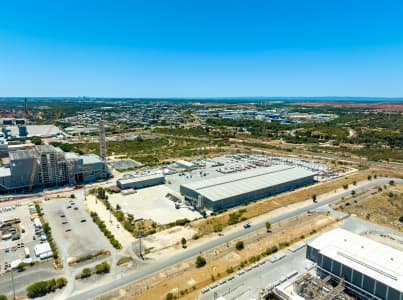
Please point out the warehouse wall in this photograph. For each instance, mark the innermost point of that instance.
(356, 279)
(251, 196)
(140, 184)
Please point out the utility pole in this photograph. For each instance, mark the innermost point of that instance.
(12, 280)
(140, 250)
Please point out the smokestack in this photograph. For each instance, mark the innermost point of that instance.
(102, 142)
(26, 106)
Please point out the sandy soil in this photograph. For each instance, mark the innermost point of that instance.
(185, 277)
(381, 207)
(124, 237)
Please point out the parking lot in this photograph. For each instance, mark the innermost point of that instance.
(14, 250)
(151, 203)
(72, 228)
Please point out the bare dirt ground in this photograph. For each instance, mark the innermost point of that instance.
(124, 237)
(386, 106)
(186, 280)
(381, 207)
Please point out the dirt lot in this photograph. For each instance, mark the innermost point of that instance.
(219, 260)
(123, 236)
(382, 207)
(151, 203)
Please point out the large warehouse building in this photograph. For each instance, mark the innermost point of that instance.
(140, 182)
(370, 269)
(234, 189)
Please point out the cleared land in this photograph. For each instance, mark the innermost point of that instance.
(219, 260)
(381, 207)
(152, 203)
(153, 150)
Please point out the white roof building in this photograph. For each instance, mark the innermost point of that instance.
(41, 249)
(370, 258)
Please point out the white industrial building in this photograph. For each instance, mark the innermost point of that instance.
(370, 270)
(185, 164)
(141, 182)
(43, 250)
(245, 186)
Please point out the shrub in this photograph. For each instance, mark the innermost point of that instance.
(217, 227)
(239, 245)
(21, 267)
(86, 272)
(182, 222)
(183, 242)
(271, 250)
(200, 262)
(401, 219)
(3, 297)
(41, 288)
(268, 226)
(169, 296)
(101, 225)
(102, 268)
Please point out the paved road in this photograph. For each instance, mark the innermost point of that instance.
(247, 286)
(138, 274)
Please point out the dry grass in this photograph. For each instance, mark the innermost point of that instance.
(384, 207)
(186, 280)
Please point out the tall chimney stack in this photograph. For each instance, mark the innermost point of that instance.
(102, 141)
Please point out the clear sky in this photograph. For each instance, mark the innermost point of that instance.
(201, 48)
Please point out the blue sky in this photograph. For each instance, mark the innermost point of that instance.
(206, 48)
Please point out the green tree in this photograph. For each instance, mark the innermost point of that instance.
(183, 242)
(86, 273)
(3, 297)
(268, 226)
(239, 245)
(169, 296)
(353, 193)
(36, 140)
(21, 267)
(314, 198)
(200, 261)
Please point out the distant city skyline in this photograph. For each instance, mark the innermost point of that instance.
(200, 49)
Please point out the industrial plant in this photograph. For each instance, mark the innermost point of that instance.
(46, 166)
(370, 270)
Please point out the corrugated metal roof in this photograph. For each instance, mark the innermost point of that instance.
(371, 258)
(243, 182)
(90, 159)
(140, 179)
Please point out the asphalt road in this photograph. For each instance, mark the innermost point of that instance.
(138, 274)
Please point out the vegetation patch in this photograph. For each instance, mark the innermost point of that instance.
(42, 288)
